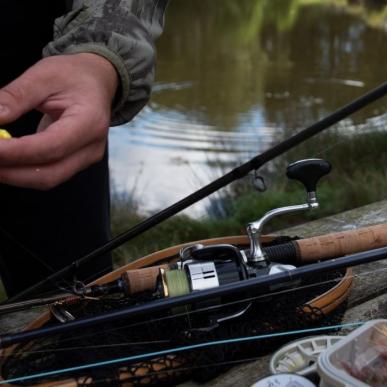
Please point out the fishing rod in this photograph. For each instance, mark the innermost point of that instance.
(295, 252)
(235, 174)
(259, 284)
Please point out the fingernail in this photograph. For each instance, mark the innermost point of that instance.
(4, 110)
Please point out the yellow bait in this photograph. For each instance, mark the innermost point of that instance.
(4, 134)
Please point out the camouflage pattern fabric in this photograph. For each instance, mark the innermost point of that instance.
(122, 31)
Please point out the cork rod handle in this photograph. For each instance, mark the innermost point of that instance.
(342, 243)
(140, 280)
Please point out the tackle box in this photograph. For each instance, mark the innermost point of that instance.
(358, 360)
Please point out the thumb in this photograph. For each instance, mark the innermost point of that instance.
(20, 96)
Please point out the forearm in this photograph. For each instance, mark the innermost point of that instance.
(122, 31)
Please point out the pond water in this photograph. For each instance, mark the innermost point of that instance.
(236, 76)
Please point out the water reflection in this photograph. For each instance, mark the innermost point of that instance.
(234, 77)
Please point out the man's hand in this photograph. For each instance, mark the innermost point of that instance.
(75, 93)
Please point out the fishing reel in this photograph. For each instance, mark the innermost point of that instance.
(203, 267)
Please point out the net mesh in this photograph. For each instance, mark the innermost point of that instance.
(285, 311)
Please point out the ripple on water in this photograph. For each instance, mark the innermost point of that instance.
(166, 157)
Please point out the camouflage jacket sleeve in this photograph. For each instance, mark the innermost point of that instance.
(122, 31)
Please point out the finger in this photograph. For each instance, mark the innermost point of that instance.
(62, 138)
(22, 95)
(45, 177)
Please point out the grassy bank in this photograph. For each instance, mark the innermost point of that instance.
(358, 177)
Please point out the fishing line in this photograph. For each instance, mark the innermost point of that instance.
(100, 346)
(232, 303)
(29, 252)
(211, 308)
(69, 289)
(180, 349)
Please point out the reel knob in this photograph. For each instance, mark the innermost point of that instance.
(308, 172)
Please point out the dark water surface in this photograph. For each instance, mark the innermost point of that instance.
(234, 77)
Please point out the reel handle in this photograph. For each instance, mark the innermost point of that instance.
(308, 172)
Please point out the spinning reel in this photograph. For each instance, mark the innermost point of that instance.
(203, 267)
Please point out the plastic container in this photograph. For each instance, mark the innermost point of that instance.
(359, 359)
(284, 380)
(300, 356)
